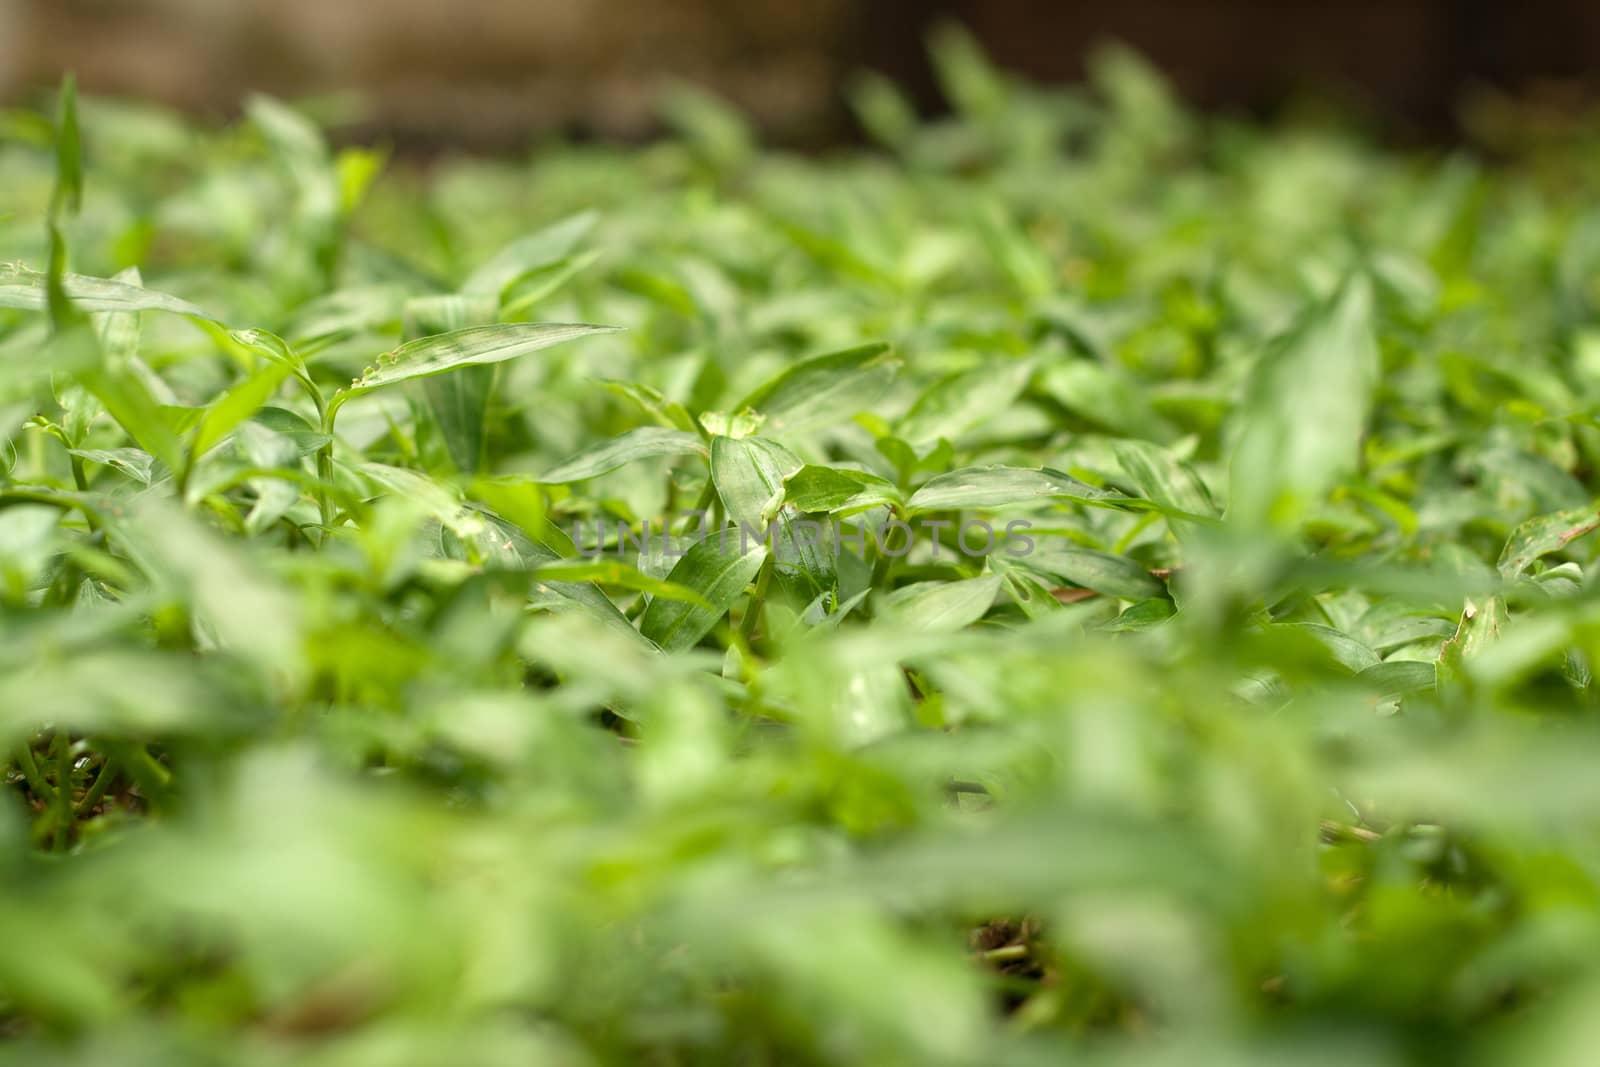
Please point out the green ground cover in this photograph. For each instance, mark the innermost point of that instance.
(1167, 634)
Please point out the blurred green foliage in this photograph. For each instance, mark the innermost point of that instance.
(328, 745)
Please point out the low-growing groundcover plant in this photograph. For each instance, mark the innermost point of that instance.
(381, 684)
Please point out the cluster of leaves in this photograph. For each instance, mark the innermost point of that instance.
(357, 710)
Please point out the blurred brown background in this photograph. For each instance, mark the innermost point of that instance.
(488, 72)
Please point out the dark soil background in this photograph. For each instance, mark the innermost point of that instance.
(491, 73)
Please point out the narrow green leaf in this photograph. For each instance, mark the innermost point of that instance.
(252, 616)
(990, 487)
(474, 346)
(719, 574)
(306, 437)
(27, 290)
(957, 403)
(460, 401)
(652, 402)
(584, 594)
(749, 473)
(1163, 478)
(1544, 534)
(1482, 621)
(67, 197)
(241, 401)
(536, 251)
(1394, 678)
(134, 462)
(824, 389)
(1105, 398)
(838, 490)
(836, 255)
(1306, 412)
(617, 573)
(942, 607)
(1103, 572)
(642, 443)
(129, 402)
(1350, 653)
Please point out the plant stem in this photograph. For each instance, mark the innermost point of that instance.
(325, 464)
(758, 601)
(63, 797)
(885, 562)
(81, 480)
(31, 773)
(97, 789)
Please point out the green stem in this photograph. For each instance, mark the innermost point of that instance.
(63, 797)
(64, 501)
(97, 789)
(31, 773)
(81, 479)
(325, 463)
(884, 564)
(758, 601)
(147, 773)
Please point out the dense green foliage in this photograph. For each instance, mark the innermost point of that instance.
(1266, 737)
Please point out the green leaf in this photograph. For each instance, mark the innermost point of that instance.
(716, 129)
(1398, 677)
(251, 615)
(474, 346)
(824, 389)
(129, 402)
(113, 691)
(1103, 572)
(883, 110)
(617, 573)
(749, 474)
(1165, 479)
(26, 289)
(1346, 650)
(300, 148)
(837, 256)
(240, 402)
(119, 331)
(958, 403)
(992, 487)
(942, 607)
(1302, 423)
(1105, 398)
(134, 462)
(584, 594)
(643, 443)
(1482, 622)
(719, 574)
(838, 490)
(1545, 534)
(67, 197)
(306, 437)
(965, 74)
(652, 402)
(460, 401)
(534, 252)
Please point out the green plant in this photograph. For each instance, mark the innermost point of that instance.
(428, 708)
